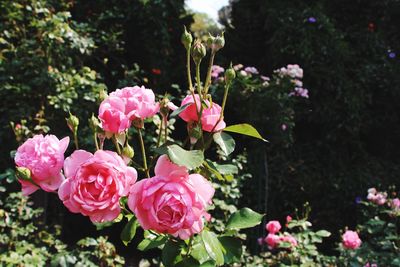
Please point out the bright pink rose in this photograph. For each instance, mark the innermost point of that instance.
(289, 219)
(273, 227)
(289, 239)
(272, 240)
(172, 201)
(95, 184)
(140, 103)
(44, 157)
(351, 240)
(112, 115)
(209, 117)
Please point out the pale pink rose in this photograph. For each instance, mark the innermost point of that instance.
(216, 71)
(289, 219)
(351, 240)
(112, 115)
(171, 202)
(395, 203)
(140, 102)
(95, 183)
(289, 239)
(44, 157)
(209, 117)
(273, 227)
(283, 127)
(272, 240)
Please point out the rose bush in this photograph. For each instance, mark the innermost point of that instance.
(172, 205)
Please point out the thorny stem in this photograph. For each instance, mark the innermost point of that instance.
(160, 132)
(76, 140)
(166, 129)
(198, 81)
(208, 78)
(188, 69)
(96, 141)
(143, 153)
(115, 141)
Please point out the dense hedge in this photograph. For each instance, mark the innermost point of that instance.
(348, 139)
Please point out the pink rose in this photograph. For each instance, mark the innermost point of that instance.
(395, 203)
(121, 107)
(272, 240)
(140, 103)
(273, 227)
(172, 201)
(289, 239)
(209, 117)
(351, 240)
(44, 157)
(95, 184)
(112, 115)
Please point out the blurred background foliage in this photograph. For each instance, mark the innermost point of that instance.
(59, 56)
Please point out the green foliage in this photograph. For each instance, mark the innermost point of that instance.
(24, 241)
(244, 218)
(379, 232)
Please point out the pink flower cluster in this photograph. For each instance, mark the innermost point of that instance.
(121, 107)
(274, 238)
(295, 73)
(376, 197)
(171, 202)
(351, 240)
(216, 71)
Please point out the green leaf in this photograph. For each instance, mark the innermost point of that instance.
(147, 244)
(213, 246)
(190, 159)
(178, 111)
(188, 262)
(211, 167)
(323, 233)
(225, 142)
(232, 249)
(227, 168)
(244, 218)
(209, 264)
(129, 230)
(170, 253)
(245, 129)
(199, 252)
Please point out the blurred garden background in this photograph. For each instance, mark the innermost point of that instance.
(325, 149)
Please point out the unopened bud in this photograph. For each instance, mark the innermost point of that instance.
(198, 52)
(128, 151)
(138, 123)
(210, 41)
(72, 122)
(103, 94)
(215, 43)
(23, 173)
(186, 39)
(164, 108)
(219, 42)
(94, 123)
(230, 74)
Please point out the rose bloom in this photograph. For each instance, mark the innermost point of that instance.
(113, 116)
(272, 240)
(273, 227)
(44, 157)
(351, 240)
(121, 107)
(95, 183)
(172, 202)
(209, 117)
(289, 239)
(140, 102)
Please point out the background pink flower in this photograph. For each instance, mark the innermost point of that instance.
(272, 240)
(172, 201)
(351, 240)
(210, 115)
(273, 227)
(95, 184)
(44, 157)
